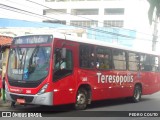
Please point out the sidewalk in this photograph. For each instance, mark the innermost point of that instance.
(4, 104)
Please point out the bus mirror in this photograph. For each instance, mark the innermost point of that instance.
(63, 54)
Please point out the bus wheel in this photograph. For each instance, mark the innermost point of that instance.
(137, 94)
(81, 99)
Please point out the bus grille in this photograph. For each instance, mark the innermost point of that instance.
(26, 85)
(28, 99)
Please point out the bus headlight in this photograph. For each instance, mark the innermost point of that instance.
(43, 89)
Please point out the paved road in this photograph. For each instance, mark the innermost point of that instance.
(148, 103)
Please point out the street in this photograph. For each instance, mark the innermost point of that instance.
(148, 103)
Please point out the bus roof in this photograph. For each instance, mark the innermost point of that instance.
(100, 43)
(94, 42)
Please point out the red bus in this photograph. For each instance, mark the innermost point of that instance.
(61, 69)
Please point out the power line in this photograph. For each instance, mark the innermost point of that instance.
(3, 6)
(20, 4)
(24, 12)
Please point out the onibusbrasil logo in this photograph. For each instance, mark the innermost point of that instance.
(20, 114)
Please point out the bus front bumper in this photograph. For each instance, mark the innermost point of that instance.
(42, 99)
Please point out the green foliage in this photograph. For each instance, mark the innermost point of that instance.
(153, 4)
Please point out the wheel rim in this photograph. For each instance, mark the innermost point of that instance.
(81, 99)
(137, 94)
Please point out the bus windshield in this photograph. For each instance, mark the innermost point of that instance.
(29, 64)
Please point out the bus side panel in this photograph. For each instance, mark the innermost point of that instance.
(145, 89)
(64, 91)
(153, 83)
(99, 91)
(150, 82)
(111, 86)
(124, 87)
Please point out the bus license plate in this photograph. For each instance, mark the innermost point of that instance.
(20, 100)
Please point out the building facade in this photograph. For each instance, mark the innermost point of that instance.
(86, 13)
(128, 18)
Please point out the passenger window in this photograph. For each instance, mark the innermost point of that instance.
(154, 63)
(158, 68)
(119, 59)
(133, 61)
(145, 62)
(87, 56)
(103, 58)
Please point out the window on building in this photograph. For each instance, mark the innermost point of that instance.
(84, 11)
(62, 0)
(113, 23)
(114, 11)
(87, 56)
(103, 58)
(84, 23)
(50, 0)
(78, 0)
(93, 0)
(119, 59)
(54, 11)
(54, 21)
(133, 61)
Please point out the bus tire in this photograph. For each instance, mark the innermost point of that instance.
(81, 99)
(137, 94)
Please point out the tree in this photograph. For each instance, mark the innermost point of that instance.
(153, 4)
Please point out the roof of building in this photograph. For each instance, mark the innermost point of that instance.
(5, 40)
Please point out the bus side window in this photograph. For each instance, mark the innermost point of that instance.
(87, 57)
(158, 69)
(103, 58)
(145, 62)
(133, 61)
(156, 64)
(153, 63)
(119, 59)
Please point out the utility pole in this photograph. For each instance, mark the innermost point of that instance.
(155, 34)
(154, 4)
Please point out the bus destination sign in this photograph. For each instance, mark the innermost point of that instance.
(33, 39)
